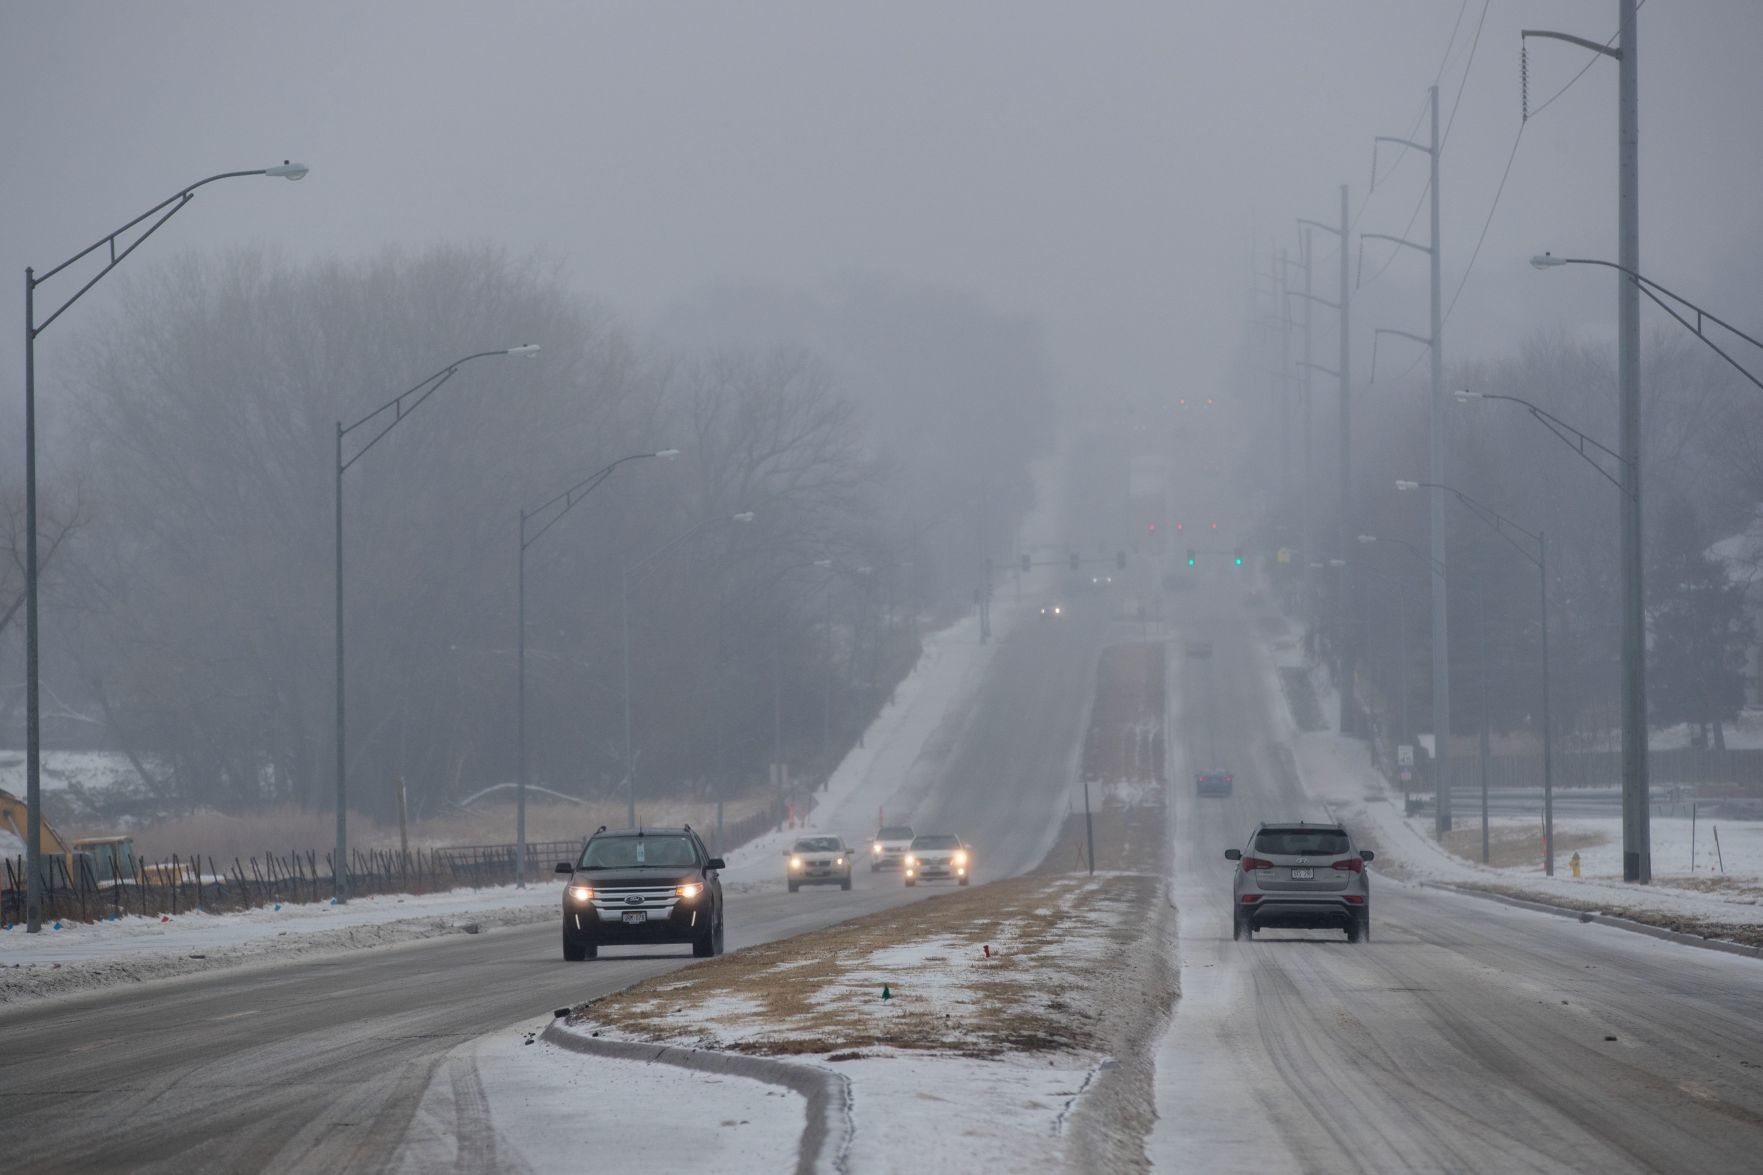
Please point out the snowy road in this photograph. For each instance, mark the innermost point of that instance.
(322, 1065)
(1467, 1036)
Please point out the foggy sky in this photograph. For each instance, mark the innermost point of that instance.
(1111, 169)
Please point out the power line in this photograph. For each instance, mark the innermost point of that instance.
(1583, 70)
(1467, 66)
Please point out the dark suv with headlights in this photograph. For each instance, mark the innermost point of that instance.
(639, 887)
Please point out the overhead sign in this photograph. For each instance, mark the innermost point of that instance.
(1405, 755)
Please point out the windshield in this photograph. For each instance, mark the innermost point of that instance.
(937, 842)
(633, 852)
(818, 844)
(1306, 842)
(894, 832)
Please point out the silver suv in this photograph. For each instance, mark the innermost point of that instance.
(1301, 876)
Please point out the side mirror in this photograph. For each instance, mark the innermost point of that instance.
(1233, 854)
(1367, 855)
(564, 867)
(715, 863)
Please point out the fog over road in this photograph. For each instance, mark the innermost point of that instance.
(321, 1065)
(1467, 1036)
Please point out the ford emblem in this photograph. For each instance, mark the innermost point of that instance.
(633, 900)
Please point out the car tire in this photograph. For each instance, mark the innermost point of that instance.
(718, 945)
(704, 946)
(963, 881)
(874, 868)
(573, 950)
(845, 884)
(794, 886)
(1240, 929)
(910, 883)
(1360, 930)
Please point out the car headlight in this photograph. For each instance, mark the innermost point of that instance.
(840, 861)
(795, 862)
(875, 849)
(582, 893)
(961, 858)
(689, 890)
(911, 861)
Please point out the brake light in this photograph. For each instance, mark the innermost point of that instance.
(1351, 865)
(1251, 897)
(1354, 899)
(1250, 864)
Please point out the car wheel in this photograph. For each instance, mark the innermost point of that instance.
(719, 936)
(874, 868)
(574, 951)
(794, 886)
(845, 884)
(1361, 931)
(1240, 929)
(964, 881)
(704, 946)
(910, 883)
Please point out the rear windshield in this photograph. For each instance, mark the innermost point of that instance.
(629, 852)
(1307, 842)
(937, 842)
(818, 844)
(894, 832)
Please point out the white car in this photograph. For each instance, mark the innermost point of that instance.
(889, 847)
(937, 856)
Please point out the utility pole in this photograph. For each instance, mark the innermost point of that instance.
(1637, 855)
(1285, 382)
(1441, 644)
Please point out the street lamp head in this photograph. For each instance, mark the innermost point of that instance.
(1368, 538)
(743, 516)
(1407, 485)
(667, 454)
(287, 169)
(823, 562)
(1464, 395)
(1546, 261)
(524, 351)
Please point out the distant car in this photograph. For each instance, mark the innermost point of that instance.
(1052, 611)
(642, 886)
(934, 856)
(889, 847)
(818, 860)
(1302, 876)
(1101, 580)
(1199, 649)
(1214, 783)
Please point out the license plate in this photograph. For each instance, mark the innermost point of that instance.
(1297, 875)
(632, 917)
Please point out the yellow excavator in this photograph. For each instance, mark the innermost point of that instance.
(112, 860)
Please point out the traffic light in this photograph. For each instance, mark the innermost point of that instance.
(1150, 528)
(1074, 560)
(1239, 556)
(1025, 564)
(1190, 556)
(1178, 527)
(1120, 560)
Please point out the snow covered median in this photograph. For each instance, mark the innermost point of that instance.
(82, 956)
(977, 1018)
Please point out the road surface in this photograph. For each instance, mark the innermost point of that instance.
(321, 1065)
(1467, 1036)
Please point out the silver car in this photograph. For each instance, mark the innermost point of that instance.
(890, 847)
(818, 860)
(1301, 876)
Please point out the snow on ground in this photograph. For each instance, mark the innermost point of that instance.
(62, 769)
(551, 1109)
(85, 955)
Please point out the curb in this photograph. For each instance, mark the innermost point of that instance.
(1675, 936)
(826, 1139)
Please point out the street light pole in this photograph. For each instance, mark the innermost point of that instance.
(1501, 526)
(164, 211)
(556, 507)
(399, 407)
